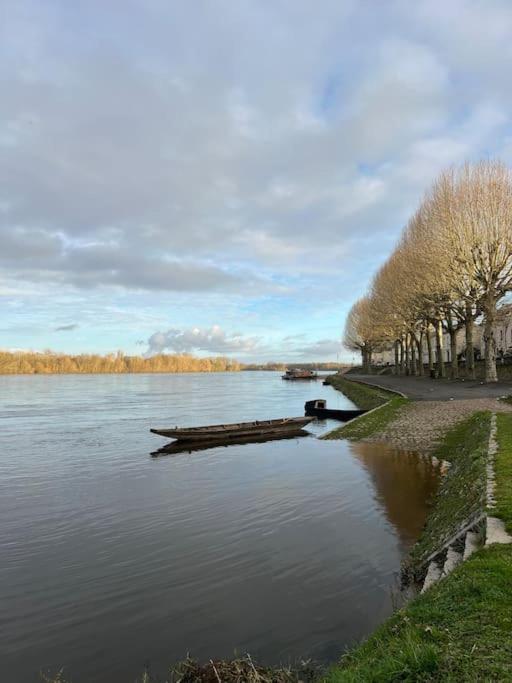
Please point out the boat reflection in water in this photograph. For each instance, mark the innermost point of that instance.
(191, 446)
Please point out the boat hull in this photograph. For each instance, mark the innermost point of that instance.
(331, 414)
(296, 379)
(320, 410)
(233, 431)
(176, 447)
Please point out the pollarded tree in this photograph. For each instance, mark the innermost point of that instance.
(430, 278)
(394, 310)
(473, 209)
(359, 333)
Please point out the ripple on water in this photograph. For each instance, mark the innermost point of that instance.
(111, 558)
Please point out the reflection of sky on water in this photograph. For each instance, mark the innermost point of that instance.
(110, 557)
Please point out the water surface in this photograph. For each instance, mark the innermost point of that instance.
(111, 559)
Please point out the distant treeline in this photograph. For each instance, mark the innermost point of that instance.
(27, 363)
(289, 366)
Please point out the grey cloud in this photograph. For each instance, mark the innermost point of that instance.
(43, 256)
(211, 340)
(159, 159)
(322, 347)
(67, 328)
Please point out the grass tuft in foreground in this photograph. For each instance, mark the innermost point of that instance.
(237, 670)
(503, 470)
(241, 670)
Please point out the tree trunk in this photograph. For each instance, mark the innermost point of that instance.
(430, 352)
(439, 349)
(419, 344)
(453, 353)
(402, 357)
(489, 340)
(470, 348)
(363, 360)
(413, 356)
(407, 357)
(397, 357)
(369, 360)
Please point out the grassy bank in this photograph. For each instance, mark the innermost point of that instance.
(503, 471)
(366, 398)
(461, 629)
(461, 495)
(458, 631)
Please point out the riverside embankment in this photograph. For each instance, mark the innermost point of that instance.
(459, 629)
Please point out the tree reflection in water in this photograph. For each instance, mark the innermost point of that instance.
(405, 483)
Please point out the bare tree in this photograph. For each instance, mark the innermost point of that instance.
(452, 263)
(359, 333)
(473, 209)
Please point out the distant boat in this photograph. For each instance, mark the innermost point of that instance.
(232, 431)
(298, 373)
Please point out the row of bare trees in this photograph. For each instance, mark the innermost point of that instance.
(451, 266)
(28, 363)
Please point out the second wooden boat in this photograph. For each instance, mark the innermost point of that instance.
(238, 429)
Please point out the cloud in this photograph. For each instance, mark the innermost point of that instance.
(212, 340)
(320, 348)
(52, 257)
(159, 168)
(185, 162)
(67, 328)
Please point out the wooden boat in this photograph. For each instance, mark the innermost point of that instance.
(236, 430)
(320, 410)
(176, 447)
(298, 373)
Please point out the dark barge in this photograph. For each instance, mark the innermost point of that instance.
(298, 373)
(319, 409)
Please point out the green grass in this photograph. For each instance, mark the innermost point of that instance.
(364, 396)
(503, 470)
(367, 425)
(460, 630)
(461, 495)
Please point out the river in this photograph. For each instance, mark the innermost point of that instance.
(111, 559)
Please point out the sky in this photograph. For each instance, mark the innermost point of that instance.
(225, 177)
